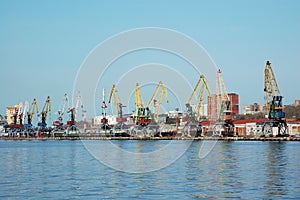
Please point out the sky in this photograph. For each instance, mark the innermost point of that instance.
(44, 43)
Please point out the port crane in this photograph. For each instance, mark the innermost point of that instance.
(44, 114)
(224, 118)
(73, 112)
(117, 103)
(140, 111)
(119, 128)
(157, 104)
(30, 114)
(61, 111)
(25, 110)
(104, 120)
(190, 113)
(276, 124)
(144, 116)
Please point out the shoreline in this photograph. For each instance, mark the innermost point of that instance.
(155, 138)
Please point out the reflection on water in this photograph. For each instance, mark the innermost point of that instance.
(275, 168)
(65, 169)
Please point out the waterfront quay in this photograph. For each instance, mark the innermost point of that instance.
(278, 139)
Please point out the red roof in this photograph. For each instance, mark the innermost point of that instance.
(241, 121)
(245, 121)
(293, 120)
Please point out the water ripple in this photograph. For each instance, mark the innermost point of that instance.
(235, 170)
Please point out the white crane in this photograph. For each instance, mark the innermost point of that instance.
(61, 111)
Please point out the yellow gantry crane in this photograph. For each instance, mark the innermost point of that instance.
(144, 116)
(271, 89)
(30, 113)
(44, 113)
(162, 92)
(117, 102)
(276, 124)
(140, 115)
(204, 86)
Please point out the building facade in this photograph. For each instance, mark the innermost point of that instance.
(212, 110)
(234, 103)
(11, 111)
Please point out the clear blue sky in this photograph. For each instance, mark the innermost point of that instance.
(43, 43)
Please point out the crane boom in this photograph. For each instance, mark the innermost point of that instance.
(154, 94)
(112, 90)
(138, 96)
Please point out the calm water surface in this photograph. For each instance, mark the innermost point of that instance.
(65, 169)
